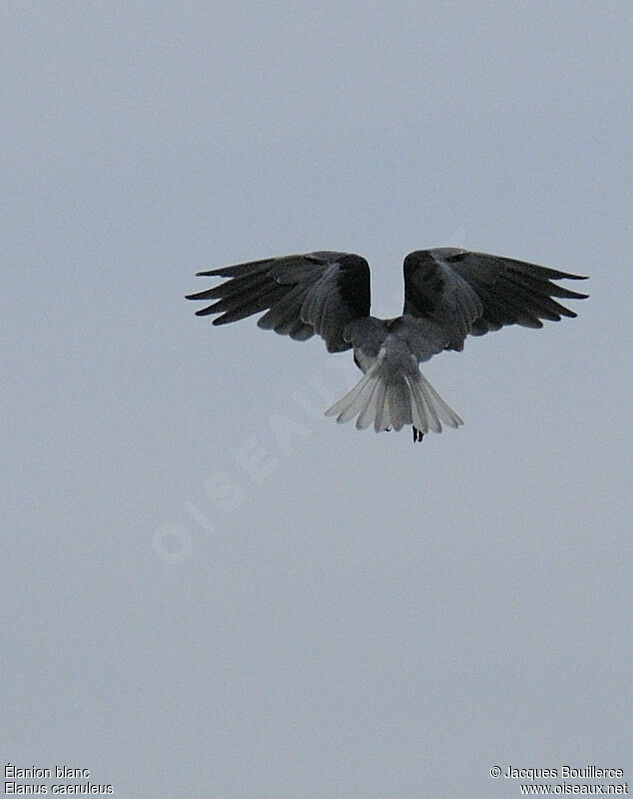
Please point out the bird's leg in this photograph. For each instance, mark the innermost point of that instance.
(417, 434)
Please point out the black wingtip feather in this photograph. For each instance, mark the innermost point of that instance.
(199, 295)
(210, 273)
(239, 270)
(566, 276)
(574, 295)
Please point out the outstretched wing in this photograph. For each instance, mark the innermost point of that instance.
(472, 292)
(320, 292)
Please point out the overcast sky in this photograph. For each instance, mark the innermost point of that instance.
(208, 588)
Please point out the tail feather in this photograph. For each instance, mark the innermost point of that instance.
(399, 399)
(368, 413)
(381, 422)
(442, 409)
(362, 399)
(393, 402)
(423, 418)
(427, 416)
(352, 403)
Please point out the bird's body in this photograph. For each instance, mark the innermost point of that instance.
(449, 294)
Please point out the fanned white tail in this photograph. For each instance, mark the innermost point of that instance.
(394, 401)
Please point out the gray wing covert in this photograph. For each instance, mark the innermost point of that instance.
(471, 292)
(319, 292)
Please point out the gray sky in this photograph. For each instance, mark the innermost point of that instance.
(211, 590)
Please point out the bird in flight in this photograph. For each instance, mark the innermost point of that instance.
(449, 293)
